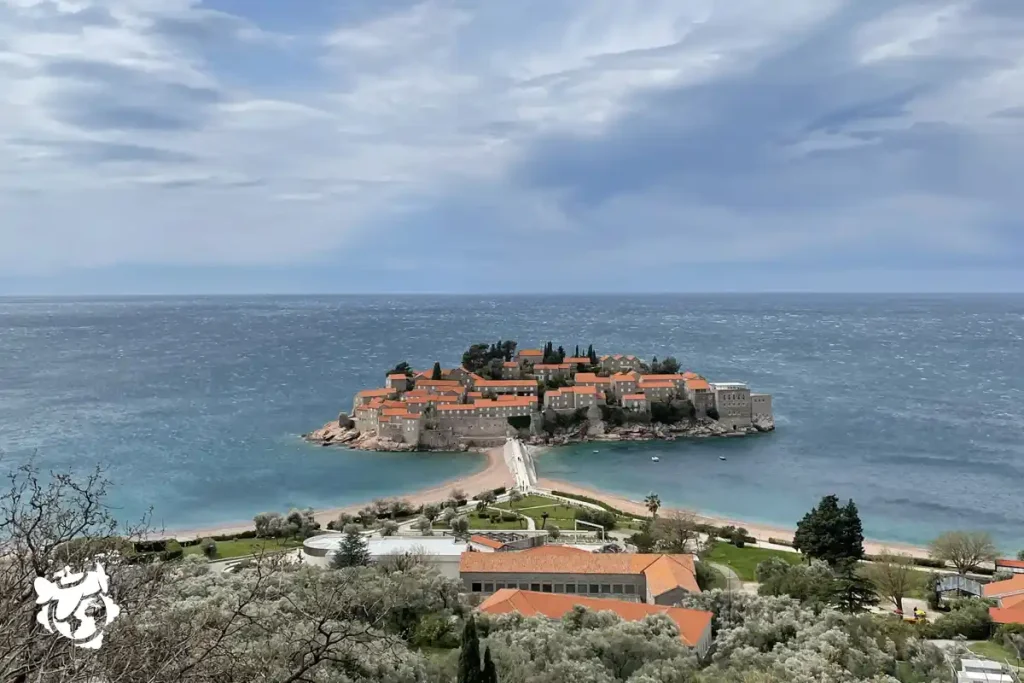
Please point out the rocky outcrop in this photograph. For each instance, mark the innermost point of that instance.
(700, 428)
(335, 434)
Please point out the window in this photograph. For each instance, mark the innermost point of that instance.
(606, 588)
(617, 588)
(570, 588)
(488, 588)
(594, 588)
(583, 589)
(524, 586)
(559, 588)
(630, 589)
(546, 588)
(535, 587)
(476, 587)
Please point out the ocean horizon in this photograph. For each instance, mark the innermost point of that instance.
(912, 405)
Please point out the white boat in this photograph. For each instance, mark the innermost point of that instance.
(596, 451)
(654, 458)
(721, 457)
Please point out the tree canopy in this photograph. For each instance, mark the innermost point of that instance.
(402, 368)
(831, 533)
(965, 550)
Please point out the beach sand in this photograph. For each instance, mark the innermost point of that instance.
(495, 475)
(759, 531)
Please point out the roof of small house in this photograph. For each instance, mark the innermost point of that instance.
(398, 375)
(1000, 588)
(455, 407)
(693, 624)
(634, 397)
(661, 378)
(486, 542)
(697, 384)
(510, 364)
(511, 383)
(531, 352)
(624, 377)
(1010, 564)
(368, 393)
(584, 377)
(658, 385)
(578, 359)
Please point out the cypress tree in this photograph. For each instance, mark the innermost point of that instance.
(436, 374)
(561, 355)
(577, 354)
(490, 673)
(469, 656)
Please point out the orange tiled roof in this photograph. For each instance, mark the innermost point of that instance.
(531, 352)
(368, 393)
(624, 377)
(551, 366)
(438, 383)
(691, 375)
(697, 384)
(583, 377)
(376, 402)
(475, 394)
(394, 404)
(661, 378)
(397, 375)
(453, 407)
(417, 400)
(1010, 564)
(658, 385)
(1011, 614)
(510, 364)
(634, 397)
(663, 572)
(508, 398)
(578, 359)
(507, 383)
(1008, 587)
(693, 624)
(486, 542)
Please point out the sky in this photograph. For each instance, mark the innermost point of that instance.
(260, 146)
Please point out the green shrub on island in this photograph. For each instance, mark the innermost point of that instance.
(604, 518)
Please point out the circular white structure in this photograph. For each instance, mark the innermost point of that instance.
(441, 551)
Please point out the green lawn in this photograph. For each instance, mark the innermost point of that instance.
(994, 650)
(528, 502)
(246, 546)
(476, 521)
(744, 560)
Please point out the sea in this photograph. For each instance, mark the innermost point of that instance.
(913, 406)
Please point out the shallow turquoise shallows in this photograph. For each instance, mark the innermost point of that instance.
(914, 406)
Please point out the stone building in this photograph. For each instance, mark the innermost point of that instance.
(549, 371)
(568, 399)
(732, 401)
(620, 363)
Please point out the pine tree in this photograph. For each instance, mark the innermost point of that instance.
(490, 673)
(577, 354)
(561, 355)
(469, 656)
(592, 354)
(831, 533)
(436, 374)
(353, 551)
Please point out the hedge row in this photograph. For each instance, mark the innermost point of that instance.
(780, 541)
(594, 501)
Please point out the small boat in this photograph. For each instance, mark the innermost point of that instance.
(721, 457)
(654, 458)
(596, 451)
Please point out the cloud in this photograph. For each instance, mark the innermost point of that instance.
(224, 134)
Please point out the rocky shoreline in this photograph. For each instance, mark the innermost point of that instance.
(335, 434)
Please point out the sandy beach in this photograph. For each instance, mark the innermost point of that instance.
(494, 475)
(759, 531)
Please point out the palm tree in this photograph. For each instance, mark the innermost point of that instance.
(653, 503)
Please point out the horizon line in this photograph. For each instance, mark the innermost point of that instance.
(157, 295)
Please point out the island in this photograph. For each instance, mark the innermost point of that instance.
(543, 397)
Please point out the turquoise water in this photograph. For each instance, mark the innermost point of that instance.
(914, 406)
